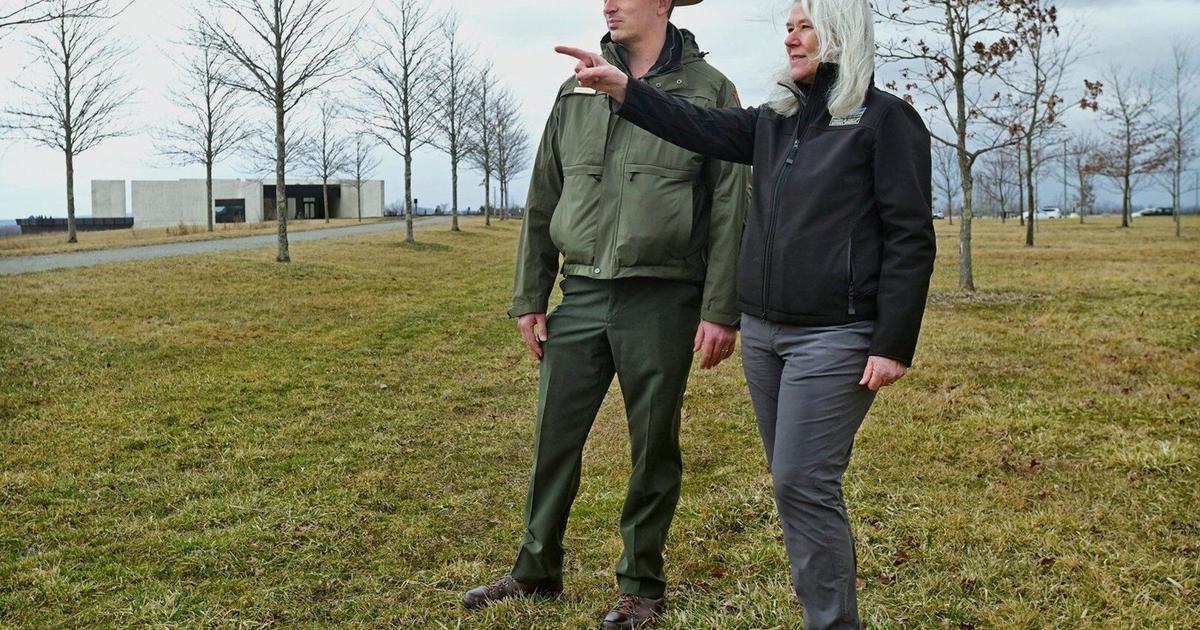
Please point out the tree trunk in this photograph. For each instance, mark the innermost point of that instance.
(208, 169)
(1003, 205)
(325, 196)
(1029, 191)
(1020, 188)
(487, 200)
(71, 238)
(1177, 195)
(454, 195)
(358, 186)
(408, 197)
(280, 186)
(966, 272)
(1126, 200)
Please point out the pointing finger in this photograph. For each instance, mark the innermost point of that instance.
(586, 57)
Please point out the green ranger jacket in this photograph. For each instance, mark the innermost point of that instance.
(617, 202)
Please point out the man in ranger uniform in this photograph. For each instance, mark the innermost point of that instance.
(649, 237)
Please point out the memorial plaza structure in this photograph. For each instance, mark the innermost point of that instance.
(167, 203)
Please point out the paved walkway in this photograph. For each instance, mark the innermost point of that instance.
(11, 265)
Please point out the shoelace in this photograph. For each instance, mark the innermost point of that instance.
(627, 603)
(500, 586)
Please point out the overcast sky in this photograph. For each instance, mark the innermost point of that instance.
(743, 37)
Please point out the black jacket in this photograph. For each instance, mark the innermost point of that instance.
(840, 227)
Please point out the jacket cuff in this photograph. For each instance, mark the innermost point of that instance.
(633, 90)
(907, 360)
(525, 307)
(722, 317)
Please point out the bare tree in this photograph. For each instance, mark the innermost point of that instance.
(1085, 159)
(998, 181)
(1035, 84)
(75, 102)
(512, 158)
(1181, 120)
(1134, 148)
(454, 105)
(211, 124)
(281, 52)
(15, 13)
(512, 147)
(400, 86)
(955, 48)
(363, 163)
(482, 130)
(259, 151)
(328, 153)
(945, 176)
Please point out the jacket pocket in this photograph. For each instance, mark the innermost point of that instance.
(655, 223)
(574, 224)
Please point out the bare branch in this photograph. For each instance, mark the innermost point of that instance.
(281, 52)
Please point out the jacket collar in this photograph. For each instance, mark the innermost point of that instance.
(679, 49)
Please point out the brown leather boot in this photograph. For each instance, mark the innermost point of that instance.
(507, 588)
(633, 611)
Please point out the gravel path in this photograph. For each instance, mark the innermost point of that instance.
(12, 265)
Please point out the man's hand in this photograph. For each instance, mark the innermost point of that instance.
(533, 331)
(882, 372)
(717, 342)
(594, 72)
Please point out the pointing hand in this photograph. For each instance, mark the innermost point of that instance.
(594, 72)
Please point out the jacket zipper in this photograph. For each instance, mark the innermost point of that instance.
(850, 266)
(801, 133)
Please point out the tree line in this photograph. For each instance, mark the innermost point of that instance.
(339, 86)
(994, 79)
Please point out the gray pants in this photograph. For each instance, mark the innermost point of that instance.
(804, 385)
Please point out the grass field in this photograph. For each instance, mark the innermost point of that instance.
(56, 243)
(228, 442)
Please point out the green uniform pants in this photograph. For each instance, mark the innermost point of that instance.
(640, 329)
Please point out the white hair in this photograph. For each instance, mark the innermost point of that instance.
(846, 35)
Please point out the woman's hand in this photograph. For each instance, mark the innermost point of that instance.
(881, 372)
(594, 72)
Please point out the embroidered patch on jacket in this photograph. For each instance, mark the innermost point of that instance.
(853, 119)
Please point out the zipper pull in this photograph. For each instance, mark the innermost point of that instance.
(791, 159)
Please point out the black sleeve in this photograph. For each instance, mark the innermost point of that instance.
(726, 133)
(904, 200)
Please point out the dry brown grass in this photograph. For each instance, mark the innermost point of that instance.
(226, 441)
(56, 243)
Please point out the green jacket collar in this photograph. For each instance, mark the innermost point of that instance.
(679, 50)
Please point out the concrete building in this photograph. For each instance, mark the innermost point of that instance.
(170, 203)
(108, 199)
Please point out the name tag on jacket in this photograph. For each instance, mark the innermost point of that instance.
(853, 119)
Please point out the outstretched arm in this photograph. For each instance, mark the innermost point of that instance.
(726, 133)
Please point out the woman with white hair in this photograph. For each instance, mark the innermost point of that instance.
(834, 267)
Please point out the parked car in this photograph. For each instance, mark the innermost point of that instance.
(1049, 213)
(1154, 212)
(938, 214)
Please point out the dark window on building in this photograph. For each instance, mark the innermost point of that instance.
(231, 210)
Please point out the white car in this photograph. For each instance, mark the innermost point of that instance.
(1049, 213)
